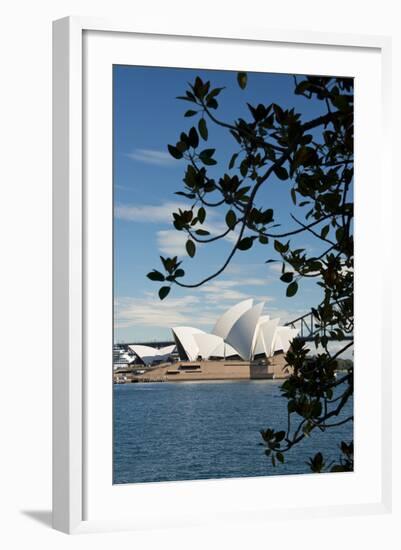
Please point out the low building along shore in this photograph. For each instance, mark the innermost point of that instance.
(244, 344)
(184, 371)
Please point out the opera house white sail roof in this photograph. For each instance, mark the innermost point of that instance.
(241, 334)
(149, 355)
(226, 321)
(186, 343)
(242, 330)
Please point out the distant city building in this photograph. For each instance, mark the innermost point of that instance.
(122, 357)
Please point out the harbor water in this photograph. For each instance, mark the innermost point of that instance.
(201, 430)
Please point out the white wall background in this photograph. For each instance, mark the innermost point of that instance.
(25, 123)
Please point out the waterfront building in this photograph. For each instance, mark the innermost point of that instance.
(122, 357)
(241, 333)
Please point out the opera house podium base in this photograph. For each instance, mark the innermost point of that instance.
(184, 371)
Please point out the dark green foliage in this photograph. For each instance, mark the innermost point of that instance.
(287, 277)
(232, 161)
(245, 243)
(174, 152)
(191, 248)
(201, 214)
(242, 79)
(203, 129)
(155, 276)
(317, 463)
(231, 219)
(292, 289)
(281, 173)
(163, 292)
(206, 157)
(193, 138)
(313, 159)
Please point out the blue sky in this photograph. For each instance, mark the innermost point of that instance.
(147, 116)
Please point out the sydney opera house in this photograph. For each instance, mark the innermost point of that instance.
(241, 333)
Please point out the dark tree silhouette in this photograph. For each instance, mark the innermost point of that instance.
(315, 158)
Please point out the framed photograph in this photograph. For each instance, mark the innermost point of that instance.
(211, 191)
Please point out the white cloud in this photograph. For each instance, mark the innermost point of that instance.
(218, 286)
(229, 290)
(152, 156)
(238, 269)
(276, 267)
(171, 242)
(152, 312)
(284, 315)
(194, 310)
(201, 308)
(224, 284)
(225, 295)
(148, 213)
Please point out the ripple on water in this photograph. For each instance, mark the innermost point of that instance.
(201, 430)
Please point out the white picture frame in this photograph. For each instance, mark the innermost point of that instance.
(71, 256)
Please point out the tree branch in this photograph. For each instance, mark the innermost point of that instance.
(322, 120)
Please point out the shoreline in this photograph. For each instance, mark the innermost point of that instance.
(208, 371)
(203, 381)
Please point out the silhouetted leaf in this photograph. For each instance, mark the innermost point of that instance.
(163, 292)
(201, 214)
(287, 277)
(206, 157)
(244, 168)
(174, 152)
(325, 231)
(193, 137)
(232, 161)
(182, 146)
(280, 457)
(212, 103)
(155, 276)
(245, 243)
(292, 289)
(281, 173)
(280, 247)
(231, 219)
(242, 79)
(203, 129)
(214, 93)
(191, 248)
